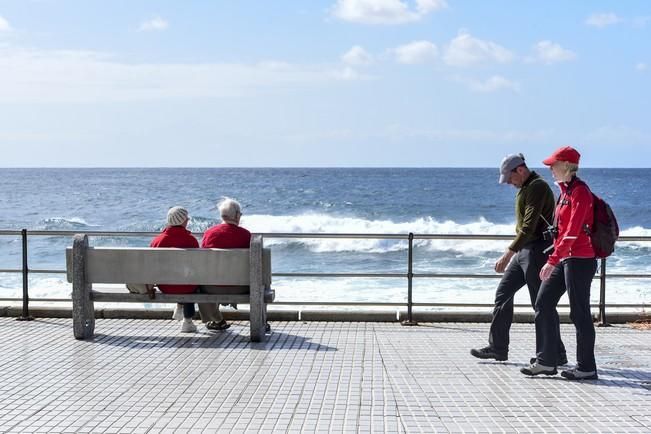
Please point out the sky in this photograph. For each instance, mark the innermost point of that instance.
(322, 83)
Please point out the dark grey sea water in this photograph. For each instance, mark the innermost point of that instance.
(424, 201)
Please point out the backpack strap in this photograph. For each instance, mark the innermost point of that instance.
(576, 182)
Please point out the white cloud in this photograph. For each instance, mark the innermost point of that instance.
(427, 6)
(156, 23)
(349, 74)
(602, 20)
(641, 66)
(466, 50)
(492, 84)
(76, 76)
(471, 135)
(619, 135)
(357, 56)
(548, 52)
(400, 132)
(416, 52)
(384, 11)
(4, 25)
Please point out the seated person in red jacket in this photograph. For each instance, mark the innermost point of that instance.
(226, 235)
(175, 234)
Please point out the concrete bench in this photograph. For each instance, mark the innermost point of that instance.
(243, 276)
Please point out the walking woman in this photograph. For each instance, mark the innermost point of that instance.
(571, 267)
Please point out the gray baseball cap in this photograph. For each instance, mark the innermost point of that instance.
(509, 163)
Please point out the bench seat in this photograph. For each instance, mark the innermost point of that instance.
(127, 297)
(243, 276)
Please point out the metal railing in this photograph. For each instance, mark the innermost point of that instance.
(409, 275)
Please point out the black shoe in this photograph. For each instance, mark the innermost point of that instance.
(489, 353)
(562, 360)
(267, 328)
(221, 325)
(575, 374)
(537, 369)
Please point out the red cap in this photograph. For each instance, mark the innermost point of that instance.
(566, 153)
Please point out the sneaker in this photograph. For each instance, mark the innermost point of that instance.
(562, 360)
(575, 374)
(537, 369)
(188, 326)
(214, 325)
(267, 328)
(178, 312)
(489, 353)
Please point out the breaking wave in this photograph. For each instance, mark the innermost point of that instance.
(64, 224)
(322, 223)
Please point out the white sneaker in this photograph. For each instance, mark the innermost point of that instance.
(188, 326)
(178, 312)
(575, 374)
(537, 369)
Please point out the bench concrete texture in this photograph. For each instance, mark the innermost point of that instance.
(243, 276)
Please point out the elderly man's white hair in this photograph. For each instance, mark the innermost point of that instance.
(229, 209)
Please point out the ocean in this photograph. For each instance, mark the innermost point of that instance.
(308, 200)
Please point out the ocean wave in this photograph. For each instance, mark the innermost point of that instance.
(322, 223)
(62, 223)
(636, 231)
(363, 290)
(201, 224)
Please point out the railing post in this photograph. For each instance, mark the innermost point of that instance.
(410, 276)
(25, 314)
(602, 295)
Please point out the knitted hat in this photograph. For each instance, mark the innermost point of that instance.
(176, 216)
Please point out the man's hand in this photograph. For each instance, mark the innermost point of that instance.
(501, 263)
(546, 271)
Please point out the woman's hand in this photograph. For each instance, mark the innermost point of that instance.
(546, 271)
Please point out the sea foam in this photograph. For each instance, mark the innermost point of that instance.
(323, 223)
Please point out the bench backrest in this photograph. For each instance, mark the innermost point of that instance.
(168, 265)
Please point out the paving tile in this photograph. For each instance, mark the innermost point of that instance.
(144, 376)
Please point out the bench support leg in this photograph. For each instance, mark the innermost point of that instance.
(258, 308)
(83, 308)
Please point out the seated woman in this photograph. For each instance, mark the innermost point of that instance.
(176, 234)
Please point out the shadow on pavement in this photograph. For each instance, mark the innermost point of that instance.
(207, 340)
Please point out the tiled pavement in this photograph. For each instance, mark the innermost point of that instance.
(145, 376)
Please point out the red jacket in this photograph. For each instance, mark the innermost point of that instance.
(226, 236)
(176, 236)
(574, 213)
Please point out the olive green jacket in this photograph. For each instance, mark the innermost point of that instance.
(534, 199)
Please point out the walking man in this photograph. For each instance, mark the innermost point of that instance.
(522, 261)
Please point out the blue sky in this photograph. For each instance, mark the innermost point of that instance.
(322, 83)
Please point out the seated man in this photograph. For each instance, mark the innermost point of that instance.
(226, 235)
(176, 235)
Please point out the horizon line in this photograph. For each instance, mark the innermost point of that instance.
(300, 167)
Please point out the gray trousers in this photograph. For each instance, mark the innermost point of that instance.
(210, 311)
(523, 269)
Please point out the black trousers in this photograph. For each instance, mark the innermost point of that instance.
(523, 270)
(573, 275)
(188, 310)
